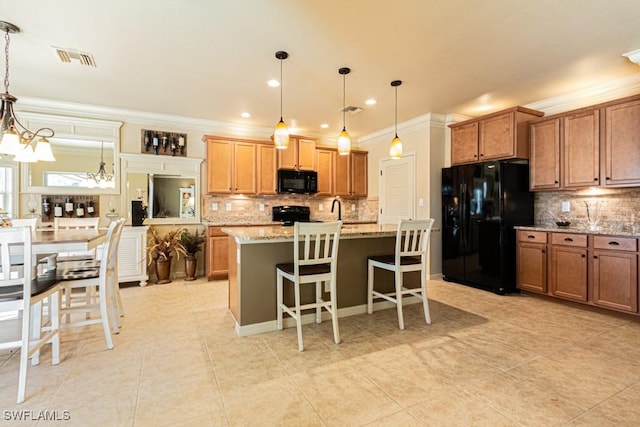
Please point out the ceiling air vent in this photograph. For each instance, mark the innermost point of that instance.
(67, 55)
(351, 109)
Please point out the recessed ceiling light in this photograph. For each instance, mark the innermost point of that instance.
(324, 125)
(245, 115)
(371, 101)
(273, 83)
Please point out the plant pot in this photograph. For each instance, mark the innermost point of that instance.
(190, 262)
(163, 271)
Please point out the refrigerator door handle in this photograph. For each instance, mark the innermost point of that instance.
(463, 213)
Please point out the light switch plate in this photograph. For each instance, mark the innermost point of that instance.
(228, 207)
(320, 207)
(261, 207)
(566, 206)
(421, 202)
(214, 206)
(353, 206)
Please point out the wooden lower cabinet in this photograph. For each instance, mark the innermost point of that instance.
(532, 261)
(593, 269)
(568, 266)
(217, 254)
(615, 273)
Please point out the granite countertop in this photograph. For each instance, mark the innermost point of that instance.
(617, 231)
(279, 233)
(243, 222)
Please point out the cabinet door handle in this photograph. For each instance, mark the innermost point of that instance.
(614, 243)
(544, 252)
(555, 182)
(595, 179)
(595, 257)
(531, 237)
(584, 256)
(568, 239)
(608, 178)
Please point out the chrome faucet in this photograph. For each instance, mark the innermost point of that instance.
(336, 200)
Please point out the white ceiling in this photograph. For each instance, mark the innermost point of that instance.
(211, 59)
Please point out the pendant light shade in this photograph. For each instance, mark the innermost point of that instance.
(395, 149)
(344, 140)
(281, 132)
(15, 138)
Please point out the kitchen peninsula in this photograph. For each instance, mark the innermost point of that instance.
(255, 251)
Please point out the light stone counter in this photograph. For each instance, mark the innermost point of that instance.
(621, 231)
(279, 233)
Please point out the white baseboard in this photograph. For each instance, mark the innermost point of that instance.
(288, 322)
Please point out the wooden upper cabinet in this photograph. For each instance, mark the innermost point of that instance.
(496, 138)
(581, 149)
(266, 173)
(359, 177)
(622, 143)
(544, 158)
(501, 135)
(464, 144)
(325, 160)
(244, 168)
(300, 155)
(342, 175)
(350, 177)
(231, 166)
(219, 166)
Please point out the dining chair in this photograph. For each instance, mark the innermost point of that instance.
(62, 223)
(315, 261)
(16, 258)
(107, 306)
(412, 241)
(22, 291)
(25, 222)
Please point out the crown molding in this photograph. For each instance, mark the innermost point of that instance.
(597, 94)
(431, 119)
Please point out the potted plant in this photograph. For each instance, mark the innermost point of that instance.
(192, 244)
(161, 249)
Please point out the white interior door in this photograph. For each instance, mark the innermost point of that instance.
(397, 189)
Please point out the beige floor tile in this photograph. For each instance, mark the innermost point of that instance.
(623, 409)
(527, 403)
(485, 360)
(453, 407)
(349, 399)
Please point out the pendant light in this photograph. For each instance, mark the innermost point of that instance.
(281, 133)
(100, 178)
(15, 138)
(344, 141)
(395, 149)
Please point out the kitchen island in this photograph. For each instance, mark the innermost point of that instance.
(255, 251)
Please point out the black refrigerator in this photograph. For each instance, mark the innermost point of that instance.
(481, 203)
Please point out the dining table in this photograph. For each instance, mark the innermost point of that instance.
(45, 241)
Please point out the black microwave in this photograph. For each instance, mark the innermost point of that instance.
(298, 182)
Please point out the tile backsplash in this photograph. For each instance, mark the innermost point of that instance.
(620, 207)
(233, 209)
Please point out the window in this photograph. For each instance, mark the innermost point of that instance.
(9, 188)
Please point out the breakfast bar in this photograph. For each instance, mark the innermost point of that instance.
(255, 251)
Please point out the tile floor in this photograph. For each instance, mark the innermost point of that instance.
(486, 360)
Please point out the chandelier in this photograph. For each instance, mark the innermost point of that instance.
(16, 139)
(101, 178)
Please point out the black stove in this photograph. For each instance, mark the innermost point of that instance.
(290, 214)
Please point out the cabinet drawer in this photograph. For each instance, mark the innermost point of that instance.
(615, 243)
(532, 236)
(569, 239)
(215, 231)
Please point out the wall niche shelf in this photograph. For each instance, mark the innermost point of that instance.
(162, 143)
